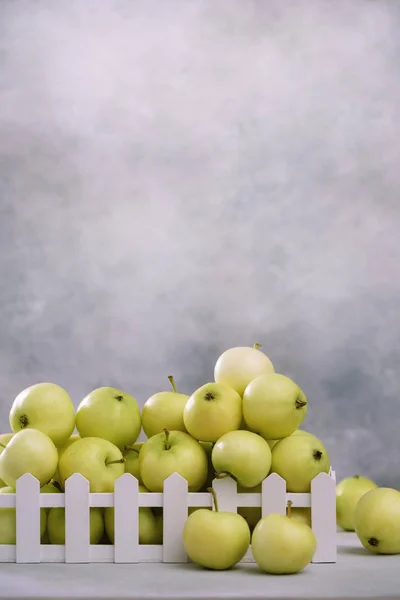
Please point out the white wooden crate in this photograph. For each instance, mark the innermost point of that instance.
(175, 501)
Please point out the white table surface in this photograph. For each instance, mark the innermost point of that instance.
(357, 574)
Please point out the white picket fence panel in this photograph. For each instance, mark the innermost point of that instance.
(175, 501)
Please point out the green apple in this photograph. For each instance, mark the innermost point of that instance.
(282, 545)
(243, 455)
(348, 493)
(164, 410)
(4, 439)
(271, 443)
(96, 459)
(46, 407)
(172, 452)
(131, 456)
(149, 527)
(302, 514)
(110, 414)
(56, 525)
(216, 540)
(377, 521)
(274, 406)
(29, 451)
(211, 411)
(298, 459)
(61, 449)
(238, 366)
(8, 522)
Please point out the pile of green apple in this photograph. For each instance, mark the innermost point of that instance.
(244, 424)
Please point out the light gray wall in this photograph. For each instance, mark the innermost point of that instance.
(180, 177)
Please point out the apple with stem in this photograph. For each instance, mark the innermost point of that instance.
(29, 451)
(46, 407)
(298, 459)
(96, 459)
(110, 414)
(377, 521)
(172, 452)
(212, 410)
(238, 366)
(348, 493)
(282, 545)
(164, 410)
(216, 540)
(243, 455)
(274, 406)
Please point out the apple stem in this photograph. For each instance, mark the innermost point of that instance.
(214, 495)
(289, 508)
(166, 442)
(221, 475)
(115, 462)
(132, 448)
(257, 346)
(172, 382)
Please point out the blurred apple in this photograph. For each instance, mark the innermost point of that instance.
(46, 407)
(164, 410)
(274, 406)
(109, 414)
(377, 521)
(211, 411)
(244, 455)
(348, 493)
(238, 366)
(29, 451)
(8, 522)
(298, 459)
(96, 459)
(216, 540)
(56, 525)
(169, 452)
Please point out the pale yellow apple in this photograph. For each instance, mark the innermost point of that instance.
(377, 521)
(348, 493)
(211, 411)
(274, 406)
(238, 366)
(56, 525)
(282, 545)
(150, 530)
(29, 451)
(164, 410)
(131, 456)
(172, 452)
(298, 459)
(244, 455)
(8, 522)
(46, 407)
(110, 414)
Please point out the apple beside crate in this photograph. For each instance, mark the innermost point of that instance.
(175, 501)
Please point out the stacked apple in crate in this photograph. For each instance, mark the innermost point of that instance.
(237, 430)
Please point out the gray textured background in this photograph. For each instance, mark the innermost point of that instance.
(179, 177)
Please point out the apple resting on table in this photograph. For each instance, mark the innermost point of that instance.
(274, 406)
(109, 414)
(238, 366)
(164, 410)
(29, 451)
(169, 452)
(46, 407)
(282, 545)
(348, 493)
(377, 521)
(216, 540)
(212, 410)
